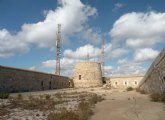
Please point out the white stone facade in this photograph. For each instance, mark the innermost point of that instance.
(88, 74)
(125, 81)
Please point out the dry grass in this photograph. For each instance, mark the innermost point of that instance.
(4, 95)
(59, 106)
(129, 89)
(156, 97)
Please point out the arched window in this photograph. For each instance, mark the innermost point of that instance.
(135, 82)
(125, 83)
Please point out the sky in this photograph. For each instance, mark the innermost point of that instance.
(133, 30)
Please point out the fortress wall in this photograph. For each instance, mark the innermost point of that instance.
(154, 79)
(125, 81)
(88, 74)
(20, 80)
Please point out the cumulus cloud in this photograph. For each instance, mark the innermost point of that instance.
(145, 54)
(118, 52)
(10, 45)
(82, 52)
(73, 15)
(139, 30)
(67, 65)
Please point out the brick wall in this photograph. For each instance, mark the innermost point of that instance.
(20, 80)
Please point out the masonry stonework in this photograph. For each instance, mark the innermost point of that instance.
(125, 81)
(154, 79)
(19, 80)
(88, 74)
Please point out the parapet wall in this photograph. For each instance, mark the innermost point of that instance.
(154, 79)
(125, 81)
(20, 80)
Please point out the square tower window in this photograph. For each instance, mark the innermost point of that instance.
(79, 77)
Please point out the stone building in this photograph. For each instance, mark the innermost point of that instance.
(88, 74)
(125, 81)
(154, 79)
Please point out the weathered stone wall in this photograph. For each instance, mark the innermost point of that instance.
(125, 81)
(88, 74)
(19, 80)
(154, 79)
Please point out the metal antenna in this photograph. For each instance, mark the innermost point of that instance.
(58, 52)
(102, 55)
(87, 53)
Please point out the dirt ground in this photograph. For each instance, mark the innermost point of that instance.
(131, 105)
(120, 105)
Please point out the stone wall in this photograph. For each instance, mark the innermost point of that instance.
(154, 79)
(20, 80)
(125, 81)
(88, 74)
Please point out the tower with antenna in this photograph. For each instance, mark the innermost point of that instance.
(102, 55)
(58, 52)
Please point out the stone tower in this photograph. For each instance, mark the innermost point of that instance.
(88, 74)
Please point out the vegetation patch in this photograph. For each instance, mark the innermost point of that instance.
(156, 97)
(129, 89)
(4, 95)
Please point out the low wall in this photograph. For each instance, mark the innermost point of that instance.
(125, 81)
(20, 80)
(154, 79)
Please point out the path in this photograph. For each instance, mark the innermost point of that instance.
(128, 106)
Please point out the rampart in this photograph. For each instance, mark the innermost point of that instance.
(154, 79)
(21, 80)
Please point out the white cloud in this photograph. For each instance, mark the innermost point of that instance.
(129, 67)
(118, 52)
(67, 65)
(82, 52)
(122, 61)
(118, 6)
(10, 45)
(139, 30)
(72, 14)
(145, 54)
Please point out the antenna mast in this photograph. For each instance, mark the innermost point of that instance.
(58, 52)
(102, 55)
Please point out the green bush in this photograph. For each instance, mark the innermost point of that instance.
(4, 95)
(129, 89)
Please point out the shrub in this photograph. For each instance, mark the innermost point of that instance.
(84, 110)
(163, 97)
(63, 115)
(155, 97)
(47, 96)
(4, 95)
(129, 89)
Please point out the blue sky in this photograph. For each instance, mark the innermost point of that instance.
(134, 32)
